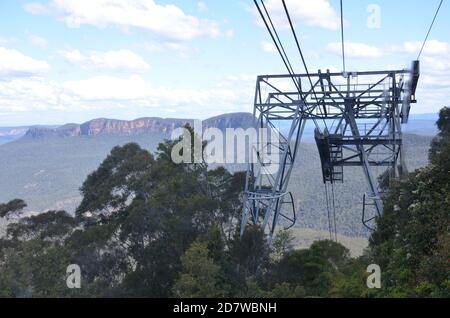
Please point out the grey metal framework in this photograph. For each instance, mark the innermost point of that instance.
(358, 118)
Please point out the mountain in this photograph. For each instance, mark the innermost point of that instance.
(8, 134)
(103, 126)
(47, 172)
(424, 125)
(47, 166)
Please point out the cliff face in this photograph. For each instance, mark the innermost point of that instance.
(8, 134)
(134, 127)
(105, 126)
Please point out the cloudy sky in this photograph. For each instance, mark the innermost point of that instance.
(67, 61)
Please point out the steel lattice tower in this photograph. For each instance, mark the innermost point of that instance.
(358, 118)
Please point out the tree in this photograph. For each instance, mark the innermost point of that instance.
(311, 270)
(412, 237)
(12, 207)
(114, 183)
(52, 225)
(443, 122)
(33, 259)
(147, 211)
(199, 277)
(282, 244)
(148, 227)
(250, 252)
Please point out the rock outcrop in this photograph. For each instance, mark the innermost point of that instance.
(103, 126)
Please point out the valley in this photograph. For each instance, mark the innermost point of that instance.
(47, 166)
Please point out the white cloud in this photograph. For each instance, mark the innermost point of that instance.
(134, 92)
(14, 63)
(5, 40)
(167, 21)
(432, 91)
(437, 65)
(317, 13)
(268, 47)
(73, 56)
(229, 33)
(38, 41)
(118, 61)
(37, 8)
(232, 81)
(202, 7)
(356, 50)
(432, 48)
(158, 47)
(27, 94)
(109, 88)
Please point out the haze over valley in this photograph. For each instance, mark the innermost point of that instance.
(46, 165)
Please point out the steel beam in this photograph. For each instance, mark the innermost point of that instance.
(367, 110)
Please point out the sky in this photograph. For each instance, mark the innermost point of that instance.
(69, 61)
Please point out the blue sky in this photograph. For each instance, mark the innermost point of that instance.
(74, 60)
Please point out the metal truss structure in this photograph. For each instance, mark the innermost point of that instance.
(358, 118)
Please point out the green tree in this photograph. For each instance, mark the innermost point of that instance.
(33, 259)
(200, 276)
(282, 244)
(147, 211)
(313, 270)
(139, 215)
(412, 237)
(12, 207)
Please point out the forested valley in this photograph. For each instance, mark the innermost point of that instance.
(147, 227)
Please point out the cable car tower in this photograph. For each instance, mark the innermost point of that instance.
(358, 118)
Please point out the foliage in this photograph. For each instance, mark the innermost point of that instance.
(199, 276)
(147, 227)
(47, 174)
(411, 243)
(11, 207)
(282, 244)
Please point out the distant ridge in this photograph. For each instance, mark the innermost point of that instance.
(8, 134)
(104, 126)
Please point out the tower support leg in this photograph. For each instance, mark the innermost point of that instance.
(265, 194)
(373, 184)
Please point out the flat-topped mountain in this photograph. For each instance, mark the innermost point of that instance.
(48, 172)
(103, 126)
(8, 134)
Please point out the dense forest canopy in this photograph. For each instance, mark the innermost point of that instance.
(147, 227)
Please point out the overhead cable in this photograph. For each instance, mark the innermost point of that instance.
(429, 30)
